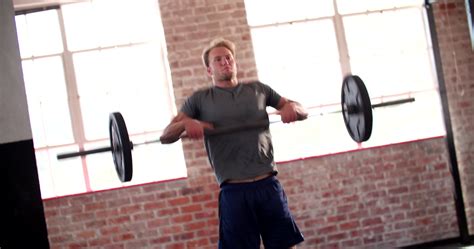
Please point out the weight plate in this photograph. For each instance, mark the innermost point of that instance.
(356, 108)
(121, 147)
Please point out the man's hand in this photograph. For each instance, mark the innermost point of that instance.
(291, 111)
(184, 126)
(195, 129)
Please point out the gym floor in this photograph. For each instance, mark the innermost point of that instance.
(444, 244)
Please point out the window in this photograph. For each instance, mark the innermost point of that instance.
(81, 62)
(304, 48)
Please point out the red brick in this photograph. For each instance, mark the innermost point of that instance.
(182, 219)
(192, 208)
(328, 229)
(349, 225)
(197, 243)
(158, 222)
(86, 235)
(90, 207)
(194, 226)
(171, 230)
(175, 246)
(371, 221)
(179, 201)
(154, 205)
(337, 237)
(183, 236)
(336, 219)
(161, 240)
(123, 237)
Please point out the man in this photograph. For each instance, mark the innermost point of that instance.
(252, 203)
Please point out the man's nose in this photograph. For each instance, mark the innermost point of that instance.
(225, 61)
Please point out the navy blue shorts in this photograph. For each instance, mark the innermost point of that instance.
(248, 211)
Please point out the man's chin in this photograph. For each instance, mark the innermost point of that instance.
(227, 77)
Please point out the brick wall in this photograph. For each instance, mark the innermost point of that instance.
(378, 198)
(458, 65)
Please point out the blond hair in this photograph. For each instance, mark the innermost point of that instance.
(219, 42)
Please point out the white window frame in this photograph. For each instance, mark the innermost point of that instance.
(294, 146)
(175, 168)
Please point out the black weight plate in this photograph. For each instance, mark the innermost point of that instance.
(121, 147)
(356, 108)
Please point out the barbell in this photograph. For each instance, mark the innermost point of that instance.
(356, 109)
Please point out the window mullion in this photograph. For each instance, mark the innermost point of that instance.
(341, 41)
(72, 91)
(73, 99)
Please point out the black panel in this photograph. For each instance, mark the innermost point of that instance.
(22, 222)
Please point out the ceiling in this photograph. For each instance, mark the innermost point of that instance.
(34, 4)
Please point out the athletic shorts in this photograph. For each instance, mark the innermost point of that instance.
(250, 211)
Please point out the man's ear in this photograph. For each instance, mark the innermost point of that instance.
(208, 69)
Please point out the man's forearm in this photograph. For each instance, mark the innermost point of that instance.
(301, 110)
(172, 132)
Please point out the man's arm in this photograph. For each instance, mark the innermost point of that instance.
(291, 111)
(182, 123)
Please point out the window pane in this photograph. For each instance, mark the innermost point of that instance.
(351, 6)
(398, 57)
(124, 23)
(279, 11)
(315, 136)
(302, 59)
(59, 178)
(47, 101)
(43, 33)
(119, 65)
(420, 119)
(81, 33)
(126, 80)
(389, 49)
(22, 32)
(151, 163)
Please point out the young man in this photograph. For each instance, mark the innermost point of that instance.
(252, 203)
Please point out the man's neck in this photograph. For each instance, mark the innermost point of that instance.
(226, 83)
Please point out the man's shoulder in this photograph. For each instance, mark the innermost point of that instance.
(255, 84)
(203, 90)
(252, 83)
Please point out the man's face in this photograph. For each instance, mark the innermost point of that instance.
(222, 66)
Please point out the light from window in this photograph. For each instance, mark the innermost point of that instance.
(47, 101)
(263, 12)
(96, 24)
(384, 42)
(390, 50)
(300, 60)
(114, 61)
(40, 34)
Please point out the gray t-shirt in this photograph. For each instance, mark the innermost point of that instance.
(241, 154)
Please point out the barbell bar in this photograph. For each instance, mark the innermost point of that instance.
(356, 110)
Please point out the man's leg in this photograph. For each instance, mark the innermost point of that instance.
(237, 221)
(277, 225)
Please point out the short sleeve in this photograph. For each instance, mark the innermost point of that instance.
(190, 106)
(272, 96)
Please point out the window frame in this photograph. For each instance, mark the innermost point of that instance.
(345, 69)
(76, 117)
